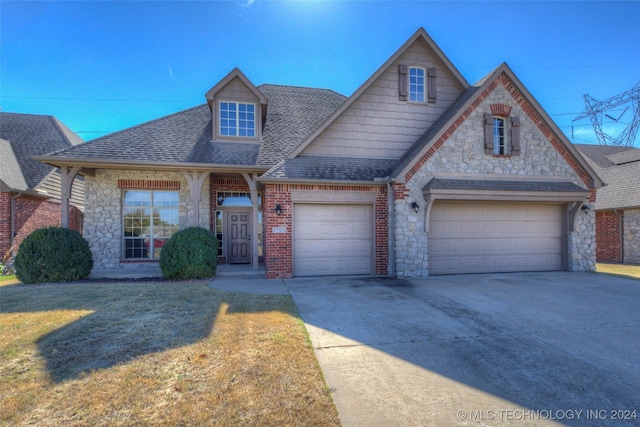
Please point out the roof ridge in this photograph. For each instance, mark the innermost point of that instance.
(302, 87)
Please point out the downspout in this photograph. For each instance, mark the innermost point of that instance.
(13, 215)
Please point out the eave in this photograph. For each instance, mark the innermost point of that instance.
(92, 164)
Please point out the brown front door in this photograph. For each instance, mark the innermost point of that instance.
(239, 237)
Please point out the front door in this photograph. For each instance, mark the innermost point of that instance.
(239, 237)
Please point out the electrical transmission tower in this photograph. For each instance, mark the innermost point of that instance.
(595, 110)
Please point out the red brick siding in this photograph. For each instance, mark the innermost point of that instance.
(31, 213)
(279, 246)
(5, 222)
(146, 184)
(608, 236)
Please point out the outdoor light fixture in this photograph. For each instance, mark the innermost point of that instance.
(585, 208)
(278, 209)
(415, 206)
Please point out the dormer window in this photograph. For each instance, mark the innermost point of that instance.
(416, 84)
(237, 119)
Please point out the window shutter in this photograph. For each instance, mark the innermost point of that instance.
(515, 136)
(488, 133)
(431, 73)
(403, 70)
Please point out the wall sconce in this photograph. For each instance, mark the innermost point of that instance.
(415, 206)
(585, 208)
(278, 209)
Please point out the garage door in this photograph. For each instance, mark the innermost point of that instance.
(332, 239)
(480, 237)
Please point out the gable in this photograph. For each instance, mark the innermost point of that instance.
(236, 90)
(378, 124)
(460, 138)
(376, 121)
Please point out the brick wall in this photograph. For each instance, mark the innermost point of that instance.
(608, 236)
(31, 213)
(279, 246)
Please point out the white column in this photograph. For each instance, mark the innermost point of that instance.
(67, 175)
(196, 181)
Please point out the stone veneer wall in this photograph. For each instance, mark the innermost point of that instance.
(631, 236)
(103, 213)
(463, 153)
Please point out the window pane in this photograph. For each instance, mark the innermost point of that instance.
(416, 84)
(146, 229)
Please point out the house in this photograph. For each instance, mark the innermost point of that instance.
(418, 172)
(618, 204)
(29, 190)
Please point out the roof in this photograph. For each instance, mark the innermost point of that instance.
(186, 136)
(330, 168)
(467, 184)
(619, 167)
(26, 135)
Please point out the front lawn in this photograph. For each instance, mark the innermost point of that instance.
(155, 354)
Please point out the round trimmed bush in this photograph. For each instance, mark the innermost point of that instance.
(191, 253)
(53, 254)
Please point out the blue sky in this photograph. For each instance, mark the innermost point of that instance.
(103, 66)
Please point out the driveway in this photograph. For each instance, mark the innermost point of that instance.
(554, 348)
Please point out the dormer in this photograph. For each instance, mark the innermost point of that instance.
(238, 109)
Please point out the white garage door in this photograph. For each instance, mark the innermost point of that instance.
(332, 239)
(481, 237)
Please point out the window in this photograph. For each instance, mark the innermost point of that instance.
(416, 84)
(501, 135)
(149, 219)
(499, 143)
(237, 119)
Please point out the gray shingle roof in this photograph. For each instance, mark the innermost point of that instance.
(26, 135)
(165, 140)
(293, 113)
(332, 168)
(620, 169)
(185, 137)
(467, 184)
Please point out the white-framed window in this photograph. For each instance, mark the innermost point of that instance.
(237, 119)
(499, 136)
(149, 219)
(417, 84)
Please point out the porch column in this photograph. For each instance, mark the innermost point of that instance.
(253, 187)
(67, 176)
(196, 181)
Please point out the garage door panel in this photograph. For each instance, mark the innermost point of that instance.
(483, 237)
(332, 239)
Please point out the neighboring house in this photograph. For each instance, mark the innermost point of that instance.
(30, 190)
(416, 173)
(618, 204)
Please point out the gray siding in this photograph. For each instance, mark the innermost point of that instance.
(378, 124)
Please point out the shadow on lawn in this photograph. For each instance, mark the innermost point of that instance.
(125, 321)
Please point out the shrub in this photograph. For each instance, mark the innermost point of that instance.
(191, 253)
(53, 254)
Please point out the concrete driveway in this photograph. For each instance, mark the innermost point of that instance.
(511, 349)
